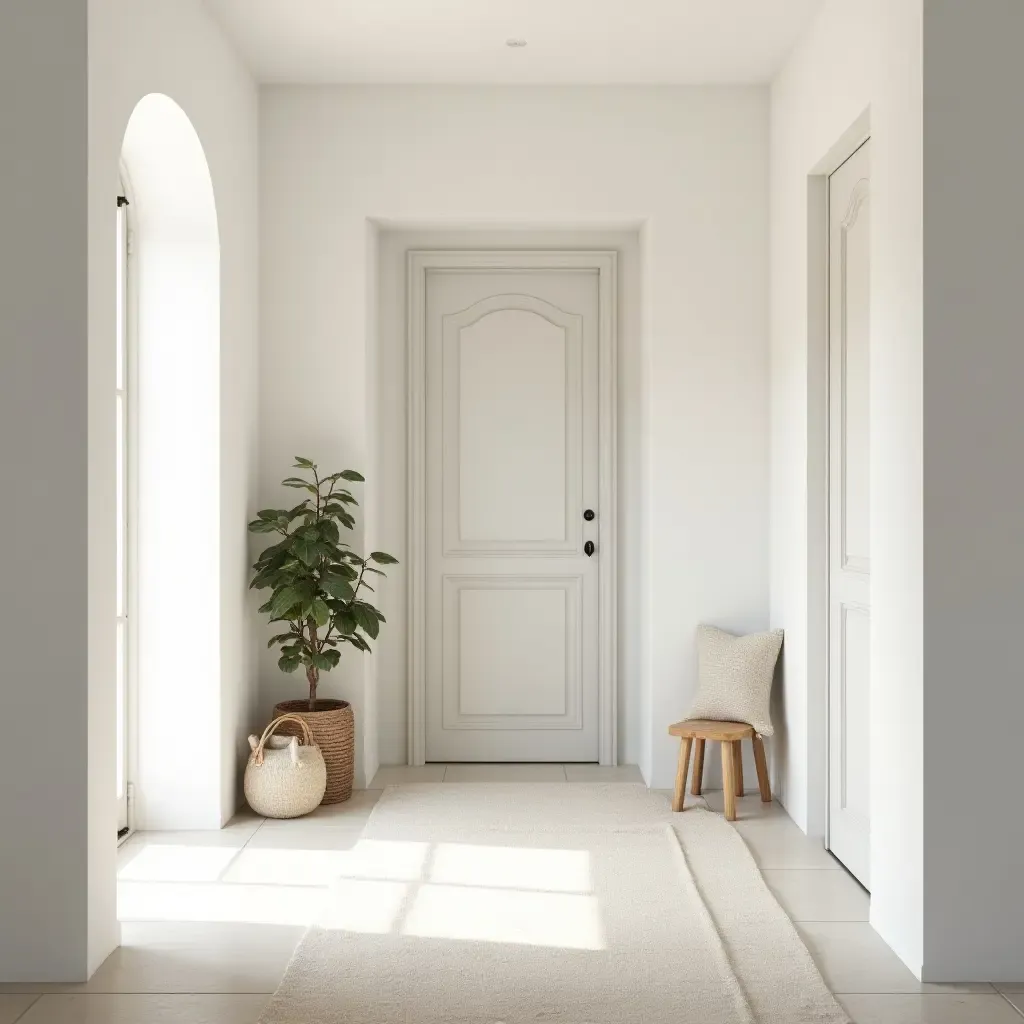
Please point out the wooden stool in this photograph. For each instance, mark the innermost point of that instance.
(729, 734)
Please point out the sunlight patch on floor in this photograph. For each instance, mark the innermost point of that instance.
(369, 858)
(462, 891)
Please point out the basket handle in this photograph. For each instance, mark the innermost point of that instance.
(306, 739)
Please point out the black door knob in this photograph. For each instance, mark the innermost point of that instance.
(588, 548)
(588, 515)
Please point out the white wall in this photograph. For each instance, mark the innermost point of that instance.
(973, 498)
(45, 787)
(64, 76)
(858, 56)
(688, 164)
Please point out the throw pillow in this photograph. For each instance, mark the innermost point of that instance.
(734, 676)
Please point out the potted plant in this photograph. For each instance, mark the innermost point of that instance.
(318, 588)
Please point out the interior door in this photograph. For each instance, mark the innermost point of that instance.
(849, 526)
(511, 472)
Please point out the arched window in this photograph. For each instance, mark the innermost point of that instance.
(172, 468)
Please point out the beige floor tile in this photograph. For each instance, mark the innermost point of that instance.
(929, 1009)
(304, 861)
(776, 842)
(197, 958)
(690, 801)
(401, 774)
(853, 958)
(747, 807)
(353, 811)
(504, 773)
(602, 773)
(12, 1007)
(1011, 986)
(309, 837)
(1014, 994)
(146, 1009)
(810, 895)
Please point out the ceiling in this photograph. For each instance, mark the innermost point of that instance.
(464, 41)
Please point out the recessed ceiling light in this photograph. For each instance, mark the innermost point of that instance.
(515, 44)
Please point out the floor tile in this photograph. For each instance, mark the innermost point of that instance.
(353, 811)
(810, 895)
(1014, 994)
(853, 958)
(304, 861)
(602, 773)
(929, 1009)
(690, 801)
(397, 774)
(1011, 986)
(196, 958)
(776, 842)
(146, 1009)
(12, 1007)
(504, 773)
(310, 837)
(747, 807)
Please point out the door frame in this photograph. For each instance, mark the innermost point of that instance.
(605, 262)
(819, 473)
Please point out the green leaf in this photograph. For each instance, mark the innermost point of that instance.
(320, 612)
(367, 619)
(323, 661)
(351, 474)
(288, 664)
(337, 587)
(294, 481)
(357, 641)
(307, 549)
(284, 600)
(262, 526)
(281, 638)
(383, 558)
(333, 657)
(302, 463)
(329, 531)
(344, 570)
(345, 622)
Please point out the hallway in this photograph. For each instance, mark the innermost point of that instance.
(210, 919)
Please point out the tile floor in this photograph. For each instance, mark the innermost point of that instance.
(210, 919)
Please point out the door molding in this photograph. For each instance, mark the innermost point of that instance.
(605, 262)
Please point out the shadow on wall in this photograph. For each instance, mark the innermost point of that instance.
(174, 470)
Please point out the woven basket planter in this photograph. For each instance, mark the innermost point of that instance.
(286, 775)
(333, 726)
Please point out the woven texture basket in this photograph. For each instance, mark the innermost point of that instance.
(333, 726)
(286, 776)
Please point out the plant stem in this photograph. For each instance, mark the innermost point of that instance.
(312, 672)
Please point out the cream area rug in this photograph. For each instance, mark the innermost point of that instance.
(549, 904)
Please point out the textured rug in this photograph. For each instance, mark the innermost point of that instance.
(549, 904)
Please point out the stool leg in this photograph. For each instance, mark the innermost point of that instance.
(684, 763)
(698, 767)
(762, 770)
(729, 780)
(737, 757)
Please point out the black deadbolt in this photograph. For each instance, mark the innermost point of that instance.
(588, 515)
(588, 548)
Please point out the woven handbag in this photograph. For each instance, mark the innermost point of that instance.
(286, 775)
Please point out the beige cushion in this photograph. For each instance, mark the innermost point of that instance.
(735, 676)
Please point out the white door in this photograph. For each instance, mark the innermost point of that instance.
(849, 531)
(511, 369)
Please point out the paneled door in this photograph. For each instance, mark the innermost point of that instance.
(512, 517)
(849, 530)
